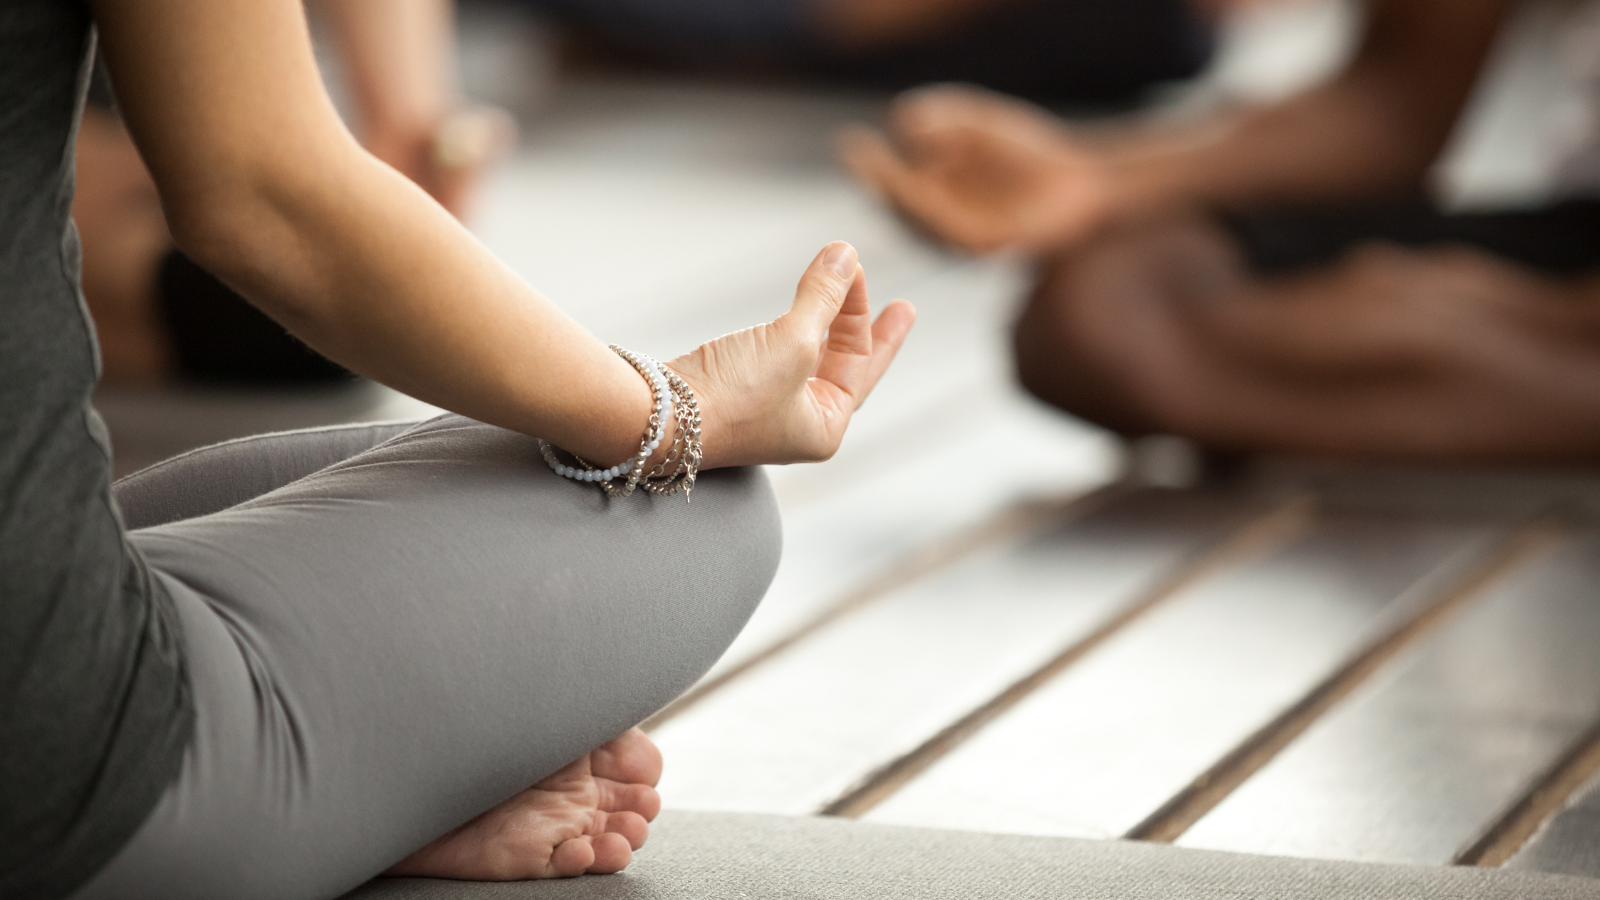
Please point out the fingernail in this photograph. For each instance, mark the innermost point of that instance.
(842, 260)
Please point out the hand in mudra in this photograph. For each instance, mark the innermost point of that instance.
(981, 171)
(785, 391)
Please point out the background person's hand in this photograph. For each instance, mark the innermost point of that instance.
(981, 171)
(785, 391)
(447, 158)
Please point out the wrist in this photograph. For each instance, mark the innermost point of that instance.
(1161, 170)
(1133, 186)
(1085, 193)
(628, 410)
(715, 434)
(628, 416)
(668, 457)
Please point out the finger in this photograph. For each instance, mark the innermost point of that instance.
(869, 157)
(921, 198)
(932, 134)
(630, 825)
(611, 854)
(888, 335)
(639, 798)
(572, 857)
(631, 758)
(906, 183)
(847, 353)
(941, 156)
(822, 290)
(948, 106)
(926, 111)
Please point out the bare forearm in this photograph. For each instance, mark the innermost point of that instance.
(421, 306)
(262, 184)
(1375, 129)
(1341, 142)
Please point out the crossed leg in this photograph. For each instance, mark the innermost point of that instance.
(395, 646)
(1439, 354)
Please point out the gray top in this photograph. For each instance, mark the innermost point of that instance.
(94, 709)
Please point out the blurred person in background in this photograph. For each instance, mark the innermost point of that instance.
(159, 316)
(1082, 51)
(1273, 278)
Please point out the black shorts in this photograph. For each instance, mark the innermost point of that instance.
(1558, 240)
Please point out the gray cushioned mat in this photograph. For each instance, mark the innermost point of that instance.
(707, 856)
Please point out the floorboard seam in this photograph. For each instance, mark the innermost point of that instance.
(1547, 796)
(1253, 539)
(1011, 523)
(1188, 806)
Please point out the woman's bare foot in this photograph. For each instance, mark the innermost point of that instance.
(587, 818)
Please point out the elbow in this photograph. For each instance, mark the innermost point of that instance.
(236, 231)
(213, 234)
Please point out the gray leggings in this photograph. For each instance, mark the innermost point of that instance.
(391, 628)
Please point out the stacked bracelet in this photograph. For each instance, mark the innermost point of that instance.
(684, 456)
(671, 396)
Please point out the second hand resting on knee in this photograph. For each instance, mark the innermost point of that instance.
(263, 185)
(984, 172)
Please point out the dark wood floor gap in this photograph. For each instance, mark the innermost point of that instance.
(1187, 807)
(1011, 523)
(1548, 796)
(1256, 538)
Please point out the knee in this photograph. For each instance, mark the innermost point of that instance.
(720, 555)
(735, 515)
(677, 584)
(1052, 360)
(1038, 340)
(1062, 347)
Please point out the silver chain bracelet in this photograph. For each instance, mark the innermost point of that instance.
(686, 446)
(670, 395)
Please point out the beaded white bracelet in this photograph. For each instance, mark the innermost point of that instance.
(685, 450)
(631, 471)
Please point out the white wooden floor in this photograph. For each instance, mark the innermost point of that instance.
(1311, 661)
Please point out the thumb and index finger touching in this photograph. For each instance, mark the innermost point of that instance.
(831, 307)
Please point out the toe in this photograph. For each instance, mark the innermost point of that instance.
(630, 825)
(611, 854)
(630, 757)
(573, 857)
(615, 797)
